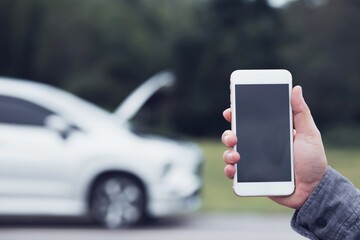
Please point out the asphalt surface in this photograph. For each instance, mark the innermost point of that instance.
(202, 226)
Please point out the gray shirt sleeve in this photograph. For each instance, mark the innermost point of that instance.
(332, 210)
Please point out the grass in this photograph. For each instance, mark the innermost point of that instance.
(218, 194)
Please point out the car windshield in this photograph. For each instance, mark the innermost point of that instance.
(75, 105)
(63, 103)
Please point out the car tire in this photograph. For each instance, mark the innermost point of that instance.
(117, 202)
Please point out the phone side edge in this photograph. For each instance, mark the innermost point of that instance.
(291, 123)
(234, 76)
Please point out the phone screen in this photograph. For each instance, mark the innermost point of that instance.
(262, 129)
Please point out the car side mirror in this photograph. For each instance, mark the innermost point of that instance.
(58, 124)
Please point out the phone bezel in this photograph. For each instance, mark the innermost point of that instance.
(276, 76)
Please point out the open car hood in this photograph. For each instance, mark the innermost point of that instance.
(134, 102)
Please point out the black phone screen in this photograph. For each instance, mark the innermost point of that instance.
(262, 129)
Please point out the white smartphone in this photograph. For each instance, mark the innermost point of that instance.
(262, 121)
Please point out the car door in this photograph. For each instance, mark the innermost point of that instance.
(34, 161)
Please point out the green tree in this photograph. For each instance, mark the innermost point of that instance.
(232, 34)
(100, 50)
(323, 56)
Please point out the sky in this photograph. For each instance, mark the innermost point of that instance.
(279, 3)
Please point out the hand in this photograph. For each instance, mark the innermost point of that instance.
(309, 155)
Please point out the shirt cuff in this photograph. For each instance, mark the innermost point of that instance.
(330, 210)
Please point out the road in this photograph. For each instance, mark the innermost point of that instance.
(202, 226)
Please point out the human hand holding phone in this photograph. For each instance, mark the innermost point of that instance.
(309, 154)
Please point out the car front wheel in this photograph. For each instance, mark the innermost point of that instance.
(117, 201)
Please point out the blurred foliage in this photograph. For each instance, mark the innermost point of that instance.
(102, 50)
(323, 58)
(344, 136)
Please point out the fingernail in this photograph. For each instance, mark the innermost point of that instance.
(301, 92)
(226, 138)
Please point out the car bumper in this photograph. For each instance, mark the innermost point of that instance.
(168, 207)
(178, 192)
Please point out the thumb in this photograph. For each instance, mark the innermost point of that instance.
(303, 121)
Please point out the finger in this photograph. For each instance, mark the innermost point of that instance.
(231, 156)
(303, 121)
(229, 139)
(229, 171)
(227, 114)
(294, 133)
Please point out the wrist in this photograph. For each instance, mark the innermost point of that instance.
(305, 190)
(306, 187)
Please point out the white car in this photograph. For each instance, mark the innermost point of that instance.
(63, 156)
